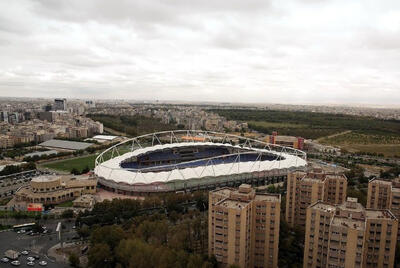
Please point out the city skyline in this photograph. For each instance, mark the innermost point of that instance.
(297, 52)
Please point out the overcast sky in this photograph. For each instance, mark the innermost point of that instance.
(278, 51)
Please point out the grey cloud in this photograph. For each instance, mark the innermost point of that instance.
(272, 51)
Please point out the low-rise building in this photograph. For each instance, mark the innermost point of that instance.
(6, 141)
(85, 201)
(54, 189)
(288, 141)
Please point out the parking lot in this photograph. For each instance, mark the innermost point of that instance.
(35, 245)
(11, 183)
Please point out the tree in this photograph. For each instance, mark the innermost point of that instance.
(195, 261)
(100, 255)
(84, 231)
(66, 214)
(86, 170)
(74, 260)
(110, 235)
(75, 171)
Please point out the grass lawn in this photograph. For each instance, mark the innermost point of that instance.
(80, 162)
(65, 204)
(354, 138)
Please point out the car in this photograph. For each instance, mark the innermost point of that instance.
(5, 260)
(42, 263)
(74, 227)
(16, 263)
(30, 263)
(23, 231)
(25, 252)
(45, 231)
(30, 259)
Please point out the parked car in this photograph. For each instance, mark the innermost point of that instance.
(30, 263)
(25, 252)
(30, 259)
(5, 260)
(43, 263)
(16, 263)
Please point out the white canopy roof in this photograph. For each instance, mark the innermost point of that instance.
(111, 169)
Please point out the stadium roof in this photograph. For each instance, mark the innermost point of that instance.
(111, 169)
(66, 145)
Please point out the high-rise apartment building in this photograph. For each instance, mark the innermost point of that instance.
(348, 235)
(384, 195)
(306, 188)
(4, 116)
(243, 227)
(60, 105)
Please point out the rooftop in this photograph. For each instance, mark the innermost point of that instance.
(226, 191)
(320, 205)
(381, 182)
(105, 137)
(312, 180)
(45, 178)
(67, 145)
(268, 197)
(228, 203)
(352, 205)
(348, 222)
(379, 214)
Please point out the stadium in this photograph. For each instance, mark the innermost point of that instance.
(188, 160)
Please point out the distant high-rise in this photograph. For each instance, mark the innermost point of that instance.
(349, 235)
(306, 188)
(60, 104)
(90, 103)
(47, 107)
(243, 227)
(384, 195)
(4, 116)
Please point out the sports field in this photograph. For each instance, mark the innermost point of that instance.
(77, 162)
(80, 162)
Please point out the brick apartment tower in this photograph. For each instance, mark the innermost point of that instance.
(243, 227)
(306, 188)
(385, 195)
(349, 235)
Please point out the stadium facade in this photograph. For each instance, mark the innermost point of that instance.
(187, 160)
